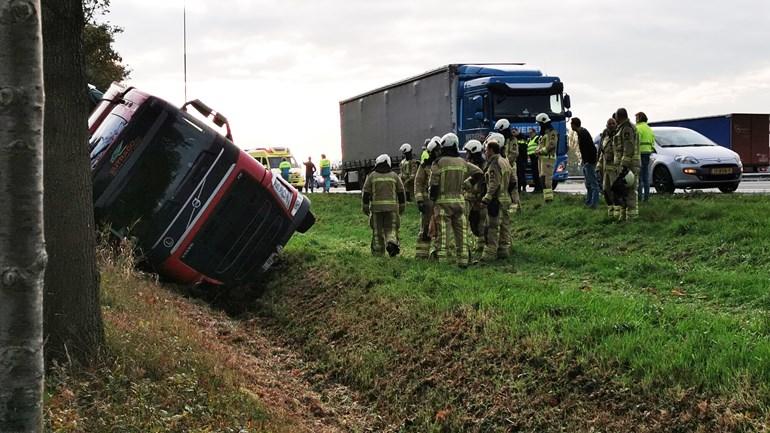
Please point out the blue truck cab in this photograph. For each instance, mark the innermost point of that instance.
(515, 92)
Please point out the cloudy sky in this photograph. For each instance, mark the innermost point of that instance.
(278, 69)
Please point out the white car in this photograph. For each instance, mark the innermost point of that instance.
(319, 180)
(684, 158)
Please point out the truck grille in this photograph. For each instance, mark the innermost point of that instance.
(241, 234)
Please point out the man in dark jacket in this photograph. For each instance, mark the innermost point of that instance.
(589, 158)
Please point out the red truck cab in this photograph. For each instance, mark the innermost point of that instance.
(196, 206)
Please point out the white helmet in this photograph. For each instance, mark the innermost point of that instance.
(433, 144)
(450, 140)
(474, 146)
(629, 178)
(405, 148)
(382, 158)
(542, 118)
(495, 137)
(502, 125)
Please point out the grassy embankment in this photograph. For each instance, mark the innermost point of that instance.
(158, 372)
(658, 325)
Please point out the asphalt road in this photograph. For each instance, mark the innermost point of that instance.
(747, 186)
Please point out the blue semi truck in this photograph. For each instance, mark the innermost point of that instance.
(463, 98)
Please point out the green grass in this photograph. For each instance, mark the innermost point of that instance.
(157, 373)
(674, 303)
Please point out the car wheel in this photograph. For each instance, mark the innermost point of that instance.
(727, 189)
(662, 181)
(553, 184)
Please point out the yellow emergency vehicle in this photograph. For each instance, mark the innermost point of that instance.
(271, 158)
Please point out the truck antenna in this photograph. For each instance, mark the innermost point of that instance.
(184, 37)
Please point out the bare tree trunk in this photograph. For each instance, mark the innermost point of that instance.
(22, 248)
(73, 322)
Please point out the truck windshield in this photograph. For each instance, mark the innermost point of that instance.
(527, 106)
(155, 176)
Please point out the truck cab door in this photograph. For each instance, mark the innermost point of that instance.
(475, 121)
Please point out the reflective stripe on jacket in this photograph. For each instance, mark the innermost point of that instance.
(449, 174)
(384, 189)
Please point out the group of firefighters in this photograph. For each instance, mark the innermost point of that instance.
(454, 194)
(466, 204)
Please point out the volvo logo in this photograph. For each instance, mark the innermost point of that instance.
(196, 203)
(168, 242)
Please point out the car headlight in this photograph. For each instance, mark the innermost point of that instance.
(282, 191)
(686, 159)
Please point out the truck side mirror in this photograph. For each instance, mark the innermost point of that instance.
(568, 114)
(567, 102)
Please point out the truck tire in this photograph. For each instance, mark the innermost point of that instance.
(729, 188)
(662, 181)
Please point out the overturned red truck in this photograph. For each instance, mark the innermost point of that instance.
(197, 207)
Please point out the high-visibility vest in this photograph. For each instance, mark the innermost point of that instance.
(425, 155)
(326, 167)
(646, 138)
(532, 146)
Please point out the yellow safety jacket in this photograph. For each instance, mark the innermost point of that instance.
(384, 190)
(448, 174)
(498, 175)
(646, 138)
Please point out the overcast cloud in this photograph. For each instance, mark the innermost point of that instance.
(278, 70)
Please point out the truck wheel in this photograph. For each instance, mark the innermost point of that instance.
(661, 179)
(729, 188)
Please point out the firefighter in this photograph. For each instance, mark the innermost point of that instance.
(408, 168)
(448, 176)
(474, 211)
(627, 159)
(422, 197)
(510, 150)
(546, 152)
(384, 201)
(497, 200)
(608, 168)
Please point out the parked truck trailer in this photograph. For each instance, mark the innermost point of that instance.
(746, 134)
(463, 98)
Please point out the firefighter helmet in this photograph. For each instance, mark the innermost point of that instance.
(495, 137)
(502, 125)
(542, 118)
(405, 148)
(384, 158)
(450, 140)
(474, 146)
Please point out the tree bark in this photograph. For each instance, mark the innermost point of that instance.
(73, 323)
(22, 248)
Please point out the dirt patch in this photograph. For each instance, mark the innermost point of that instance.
(277, 376)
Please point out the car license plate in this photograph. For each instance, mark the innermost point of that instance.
(727, 170)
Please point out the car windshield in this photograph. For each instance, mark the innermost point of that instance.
(681, 138)
(527, 106)
(275, 161)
